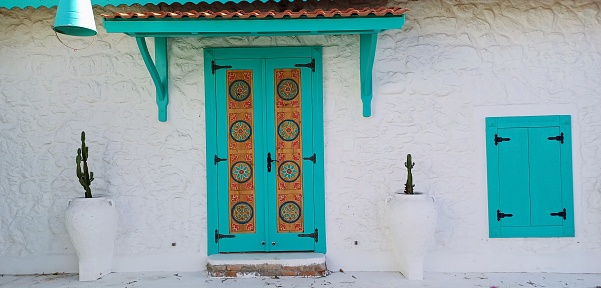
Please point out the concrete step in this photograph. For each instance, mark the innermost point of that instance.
(303, 264)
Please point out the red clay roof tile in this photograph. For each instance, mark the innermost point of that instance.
(303, 13)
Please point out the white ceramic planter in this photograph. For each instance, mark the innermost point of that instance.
(412, 221)
(92, 226)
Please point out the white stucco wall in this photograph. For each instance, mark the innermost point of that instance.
(434, 82)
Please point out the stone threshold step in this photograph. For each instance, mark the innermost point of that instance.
(303, 264)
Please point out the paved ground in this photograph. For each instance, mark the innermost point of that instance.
(335, 280)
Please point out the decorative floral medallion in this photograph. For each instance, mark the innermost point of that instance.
(290, 212)
(287, 89)
(239, 90)
(288, 130)
(240, 131)
(242, 212)
(241, 172)
(289, 171)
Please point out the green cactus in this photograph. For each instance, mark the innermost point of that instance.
(85, 178)
(409, 185)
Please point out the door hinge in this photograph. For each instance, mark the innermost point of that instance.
(221, 236)
(217, 159)
(500, 139)
(313, 158)
(502, 215)
(561, 214)
(215, 67)
(308, 65)
(557, 138)
(314, 235)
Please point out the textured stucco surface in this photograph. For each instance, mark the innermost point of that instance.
(454, 63)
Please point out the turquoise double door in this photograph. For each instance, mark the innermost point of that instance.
(265, 155)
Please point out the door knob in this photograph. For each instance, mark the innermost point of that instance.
(262, 242)
(272, 243)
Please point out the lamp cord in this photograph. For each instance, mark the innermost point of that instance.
(74, 49)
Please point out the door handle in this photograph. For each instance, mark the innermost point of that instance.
(269, 160)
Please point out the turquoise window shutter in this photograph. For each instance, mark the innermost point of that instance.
(529, 173)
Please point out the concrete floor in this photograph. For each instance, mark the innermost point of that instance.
(335, 280)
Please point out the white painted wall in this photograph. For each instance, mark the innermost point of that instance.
(451, 66)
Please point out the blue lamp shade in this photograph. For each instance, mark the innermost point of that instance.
(75, 18)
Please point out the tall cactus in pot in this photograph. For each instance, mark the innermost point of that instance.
(409, 185)
(85, 177)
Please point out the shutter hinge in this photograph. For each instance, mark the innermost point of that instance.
(215, 67)
(308, 65)
(561, 214)
(221, 236)
(217, 159)
(500, 139)
(502, 215)
(313, 158)
(314, 235)
(557, 138)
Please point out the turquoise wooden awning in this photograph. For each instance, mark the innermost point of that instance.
(367, 22)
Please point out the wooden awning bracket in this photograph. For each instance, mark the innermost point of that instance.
(367, 46)
(158, 71)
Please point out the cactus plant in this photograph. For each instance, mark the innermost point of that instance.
(85, 177)
(409, 185)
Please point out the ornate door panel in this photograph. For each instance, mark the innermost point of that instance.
(265, 155)
(241, 187)
(290, 136)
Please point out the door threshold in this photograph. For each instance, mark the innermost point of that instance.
(303, 264)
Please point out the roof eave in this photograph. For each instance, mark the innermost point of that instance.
(196, 27)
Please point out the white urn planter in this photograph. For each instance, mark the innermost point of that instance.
(412, 221)
(92, 226)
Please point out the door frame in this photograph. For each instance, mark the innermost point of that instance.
(212, 54)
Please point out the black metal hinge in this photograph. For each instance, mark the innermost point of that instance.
(561, 214)
(557, 138)
(500, 139)
(313, 158)
(308, 65)
(221, 236)
(217, 159)
(502, 215)
(314, 235)
(215, 67)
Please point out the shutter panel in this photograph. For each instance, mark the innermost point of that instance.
(514, 194)
(545, 176)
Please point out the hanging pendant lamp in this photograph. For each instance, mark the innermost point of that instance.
(75, 18)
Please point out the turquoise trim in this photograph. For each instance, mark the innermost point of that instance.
(158, 72)
(196, 27)
(51, 3)
(368, 54)
(492, 171)
(546, 166)
(211, 150)
(567, 183)
(318, 146)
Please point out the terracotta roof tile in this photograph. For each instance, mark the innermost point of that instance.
(241, 14)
